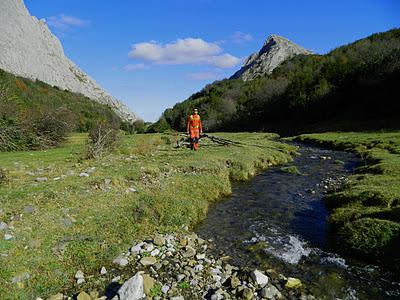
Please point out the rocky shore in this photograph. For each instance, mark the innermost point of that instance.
(178, 267)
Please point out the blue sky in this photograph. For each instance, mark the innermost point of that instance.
(154, 53)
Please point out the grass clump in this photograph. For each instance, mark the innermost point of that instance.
(366, 211)
(82, 223)
(291, 170)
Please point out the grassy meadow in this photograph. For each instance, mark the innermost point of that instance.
(366, 212)
(71, 222)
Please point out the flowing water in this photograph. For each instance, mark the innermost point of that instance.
(278, 220)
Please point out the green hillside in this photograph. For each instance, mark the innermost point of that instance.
(21, 97)
(352, 87)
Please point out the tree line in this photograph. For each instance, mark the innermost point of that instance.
(352, 87)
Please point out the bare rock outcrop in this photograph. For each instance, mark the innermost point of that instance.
(275, 50)
(29, 49)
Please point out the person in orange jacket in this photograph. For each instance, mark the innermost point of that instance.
(194, 129)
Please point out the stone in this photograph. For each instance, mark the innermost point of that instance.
(198, 268)
(148, 261)
(20, 278)
(275, 50)
(132, 289)
(155, 252)
(79, 274)
(58, 296)
(165, 288)
(103, 271)
(177, 298)
(190, 252)
(235, 282)
(180, 277)
(83, 174)
(83, 296)
(260, 278)
(3, 226)
(41, 179)
(148, 283)
(29, 209)
(159, 240)
(271, 292)
(90, 170)
(121, 261)
(183, 242)
(8, 237)
(94, 294)
(80, 280)
(116, 279)
(200, 256)
(293, 283)
(248, 294)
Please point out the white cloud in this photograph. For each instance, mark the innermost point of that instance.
(63, 22)
(204, 75)
(135, 67)
(183, 51)
(240, 37)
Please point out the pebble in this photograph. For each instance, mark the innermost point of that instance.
(148, 261)
(103, 271)
(116, 279)
(83, 174)
(271, 292)
(189, 252)
(8, 237)
(83, 296)
(155, 252)
(159, 240)
(3, 226)
(165, 289)
(79, 275)
(293, 283)
(41, 179)
(80, 280)
(121, 261)
(260, 278)
(58, 296)
(29, 209)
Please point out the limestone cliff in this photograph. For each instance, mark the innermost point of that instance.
(275, 50)
(29, 49)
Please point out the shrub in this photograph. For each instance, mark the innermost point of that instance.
(103, 138)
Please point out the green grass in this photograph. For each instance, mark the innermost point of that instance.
(366, 212)
(80, 223)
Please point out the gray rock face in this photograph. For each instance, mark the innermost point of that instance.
(29, 49)
(275, 50)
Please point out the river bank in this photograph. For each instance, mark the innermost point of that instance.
(60, 213)
(365, 213)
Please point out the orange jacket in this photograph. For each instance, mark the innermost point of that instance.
(194, 122)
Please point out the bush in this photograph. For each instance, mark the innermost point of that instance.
(103, 138)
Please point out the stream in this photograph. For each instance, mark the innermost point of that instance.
(278, 221)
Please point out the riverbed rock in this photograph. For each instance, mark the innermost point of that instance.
(159, 240)
(148, 283)
(83, 296)
(148, 261)
(271, 292)
(58, 296)
(293, 283)
(260, 278)
(121, 261)
(131, 289)
(190, 252)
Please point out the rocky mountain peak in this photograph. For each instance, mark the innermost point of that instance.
(275, 50)
(29, 49)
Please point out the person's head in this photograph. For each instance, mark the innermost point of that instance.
(195, 111)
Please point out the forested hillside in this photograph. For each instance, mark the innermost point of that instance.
(352, 87)
(31, 110)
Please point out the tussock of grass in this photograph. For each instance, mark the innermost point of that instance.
(366, 212)
(84, 223)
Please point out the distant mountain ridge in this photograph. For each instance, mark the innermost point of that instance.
(29, 49)
(275, 50)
